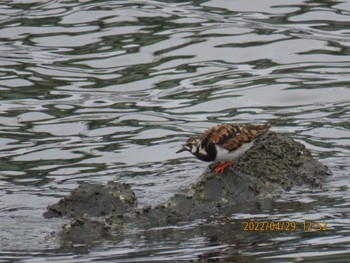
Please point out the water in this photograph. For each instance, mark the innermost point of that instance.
(108, 90)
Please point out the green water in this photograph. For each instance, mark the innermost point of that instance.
(109, 90)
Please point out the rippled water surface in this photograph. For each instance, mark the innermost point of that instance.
(108, 90)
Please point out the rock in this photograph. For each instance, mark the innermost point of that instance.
(94, 200)
(83, 230)
(277, 158)
(274, 164)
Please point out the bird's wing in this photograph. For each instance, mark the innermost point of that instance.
(220, 134)
(223, 132)
(232, 136)
(247, 134)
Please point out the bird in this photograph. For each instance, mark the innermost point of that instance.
(223, 143)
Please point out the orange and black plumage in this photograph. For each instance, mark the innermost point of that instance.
(224, 142)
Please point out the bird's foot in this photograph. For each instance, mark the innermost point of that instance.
(220, 167)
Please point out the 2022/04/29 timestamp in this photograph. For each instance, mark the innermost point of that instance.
(284, 226)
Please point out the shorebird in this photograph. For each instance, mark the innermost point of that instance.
(224, 143)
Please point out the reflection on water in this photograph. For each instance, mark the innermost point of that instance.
(108, 90)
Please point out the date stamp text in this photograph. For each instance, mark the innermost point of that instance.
(284, 226)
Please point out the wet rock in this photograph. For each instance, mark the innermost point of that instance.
(83, 230)
(211, 197)
(94, 199)
(280, 159)
(274, 164)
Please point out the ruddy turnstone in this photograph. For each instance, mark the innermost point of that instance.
(223, 143)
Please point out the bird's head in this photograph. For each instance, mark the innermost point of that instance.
(192, 145)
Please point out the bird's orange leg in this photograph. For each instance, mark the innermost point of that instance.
(220, 167)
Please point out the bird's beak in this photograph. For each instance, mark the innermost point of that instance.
(181, 150)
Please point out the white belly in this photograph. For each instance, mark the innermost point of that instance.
(224, 155)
